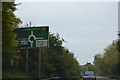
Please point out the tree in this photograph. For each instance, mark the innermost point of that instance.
(60, 61)
(97, 62)
(107, 63)
(9, 23)
(118, 48)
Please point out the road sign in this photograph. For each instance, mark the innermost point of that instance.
(33, 37)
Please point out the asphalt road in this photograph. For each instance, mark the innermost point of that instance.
(58, 78)
(104, 78)
(98, 78)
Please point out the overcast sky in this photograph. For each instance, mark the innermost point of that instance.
(88, 27)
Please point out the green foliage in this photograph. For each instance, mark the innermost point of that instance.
(107, 63)
(83, 68)
(57, 60)
(87, 67)
(16, 75)
(9, 43)
(91, 67)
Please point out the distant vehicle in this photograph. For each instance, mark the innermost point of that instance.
(89, 75)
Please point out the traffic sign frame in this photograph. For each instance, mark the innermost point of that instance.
(33, 37)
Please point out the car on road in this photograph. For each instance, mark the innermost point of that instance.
(89, 75)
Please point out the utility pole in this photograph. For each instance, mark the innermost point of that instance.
(119, 35)
(0, 40)
(119, 20)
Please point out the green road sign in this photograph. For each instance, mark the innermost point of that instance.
(33, 37)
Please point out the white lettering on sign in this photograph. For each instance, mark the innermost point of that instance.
(23, 41)
(41, 43)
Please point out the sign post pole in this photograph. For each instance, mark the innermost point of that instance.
(27, 60)
(39, 63)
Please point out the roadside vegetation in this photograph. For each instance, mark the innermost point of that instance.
(107, 63)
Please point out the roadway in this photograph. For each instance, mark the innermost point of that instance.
(98, 78)
(104, 78)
